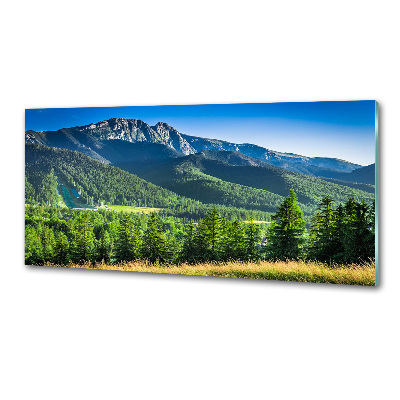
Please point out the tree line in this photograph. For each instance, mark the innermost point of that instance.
(338, 234)
(128, 237)
(342, 234)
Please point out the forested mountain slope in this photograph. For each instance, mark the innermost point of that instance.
(106, 183)
(101, 181)
(370, 188)
(364, 175)
(262, 187)
(235, 167)
(151, 156)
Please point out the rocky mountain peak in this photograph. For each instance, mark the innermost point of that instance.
(97, 134)
(163, 124)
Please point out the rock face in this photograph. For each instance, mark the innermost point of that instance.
(96, 140)
(134, 130)
(172, 138)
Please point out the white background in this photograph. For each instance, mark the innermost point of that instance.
(70, 334)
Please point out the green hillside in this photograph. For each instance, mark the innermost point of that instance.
(206, 177)
(47, 167)
(363, 175)
(248, 171)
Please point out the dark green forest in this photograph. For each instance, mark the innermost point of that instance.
(338, 234)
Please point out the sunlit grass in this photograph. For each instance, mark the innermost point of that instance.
(298, 271)
(144, 210)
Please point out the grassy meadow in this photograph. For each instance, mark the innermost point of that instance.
(130, 209)
(297, 271)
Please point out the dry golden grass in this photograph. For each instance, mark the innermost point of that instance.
(298, 271)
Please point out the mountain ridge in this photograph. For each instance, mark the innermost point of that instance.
(92, 140)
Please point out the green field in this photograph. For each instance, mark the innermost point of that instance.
(143, 210)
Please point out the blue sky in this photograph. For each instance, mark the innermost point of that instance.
(337, 129)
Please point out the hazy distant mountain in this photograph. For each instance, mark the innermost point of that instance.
(102, 141)
(361, 175)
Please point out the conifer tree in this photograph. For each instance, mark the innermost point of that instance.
(324, 242)
(339, 233)
(350, 211)
(371, 235)
(154, 241)
(173, 249)
(104, 246)
(127, 247)
(84, 239)
(252, 241)
(286, 234)
(62, 248)
(210, 236)
(236, 242)
(48, 244)
(372, 218)
(33, 246)
(359, 238)
(189, 248)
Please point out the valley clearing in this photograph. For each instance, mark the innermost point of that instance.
(298, 271)
(138, 210)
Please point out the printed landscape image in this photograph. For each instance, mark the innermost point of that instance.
(280, 191)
